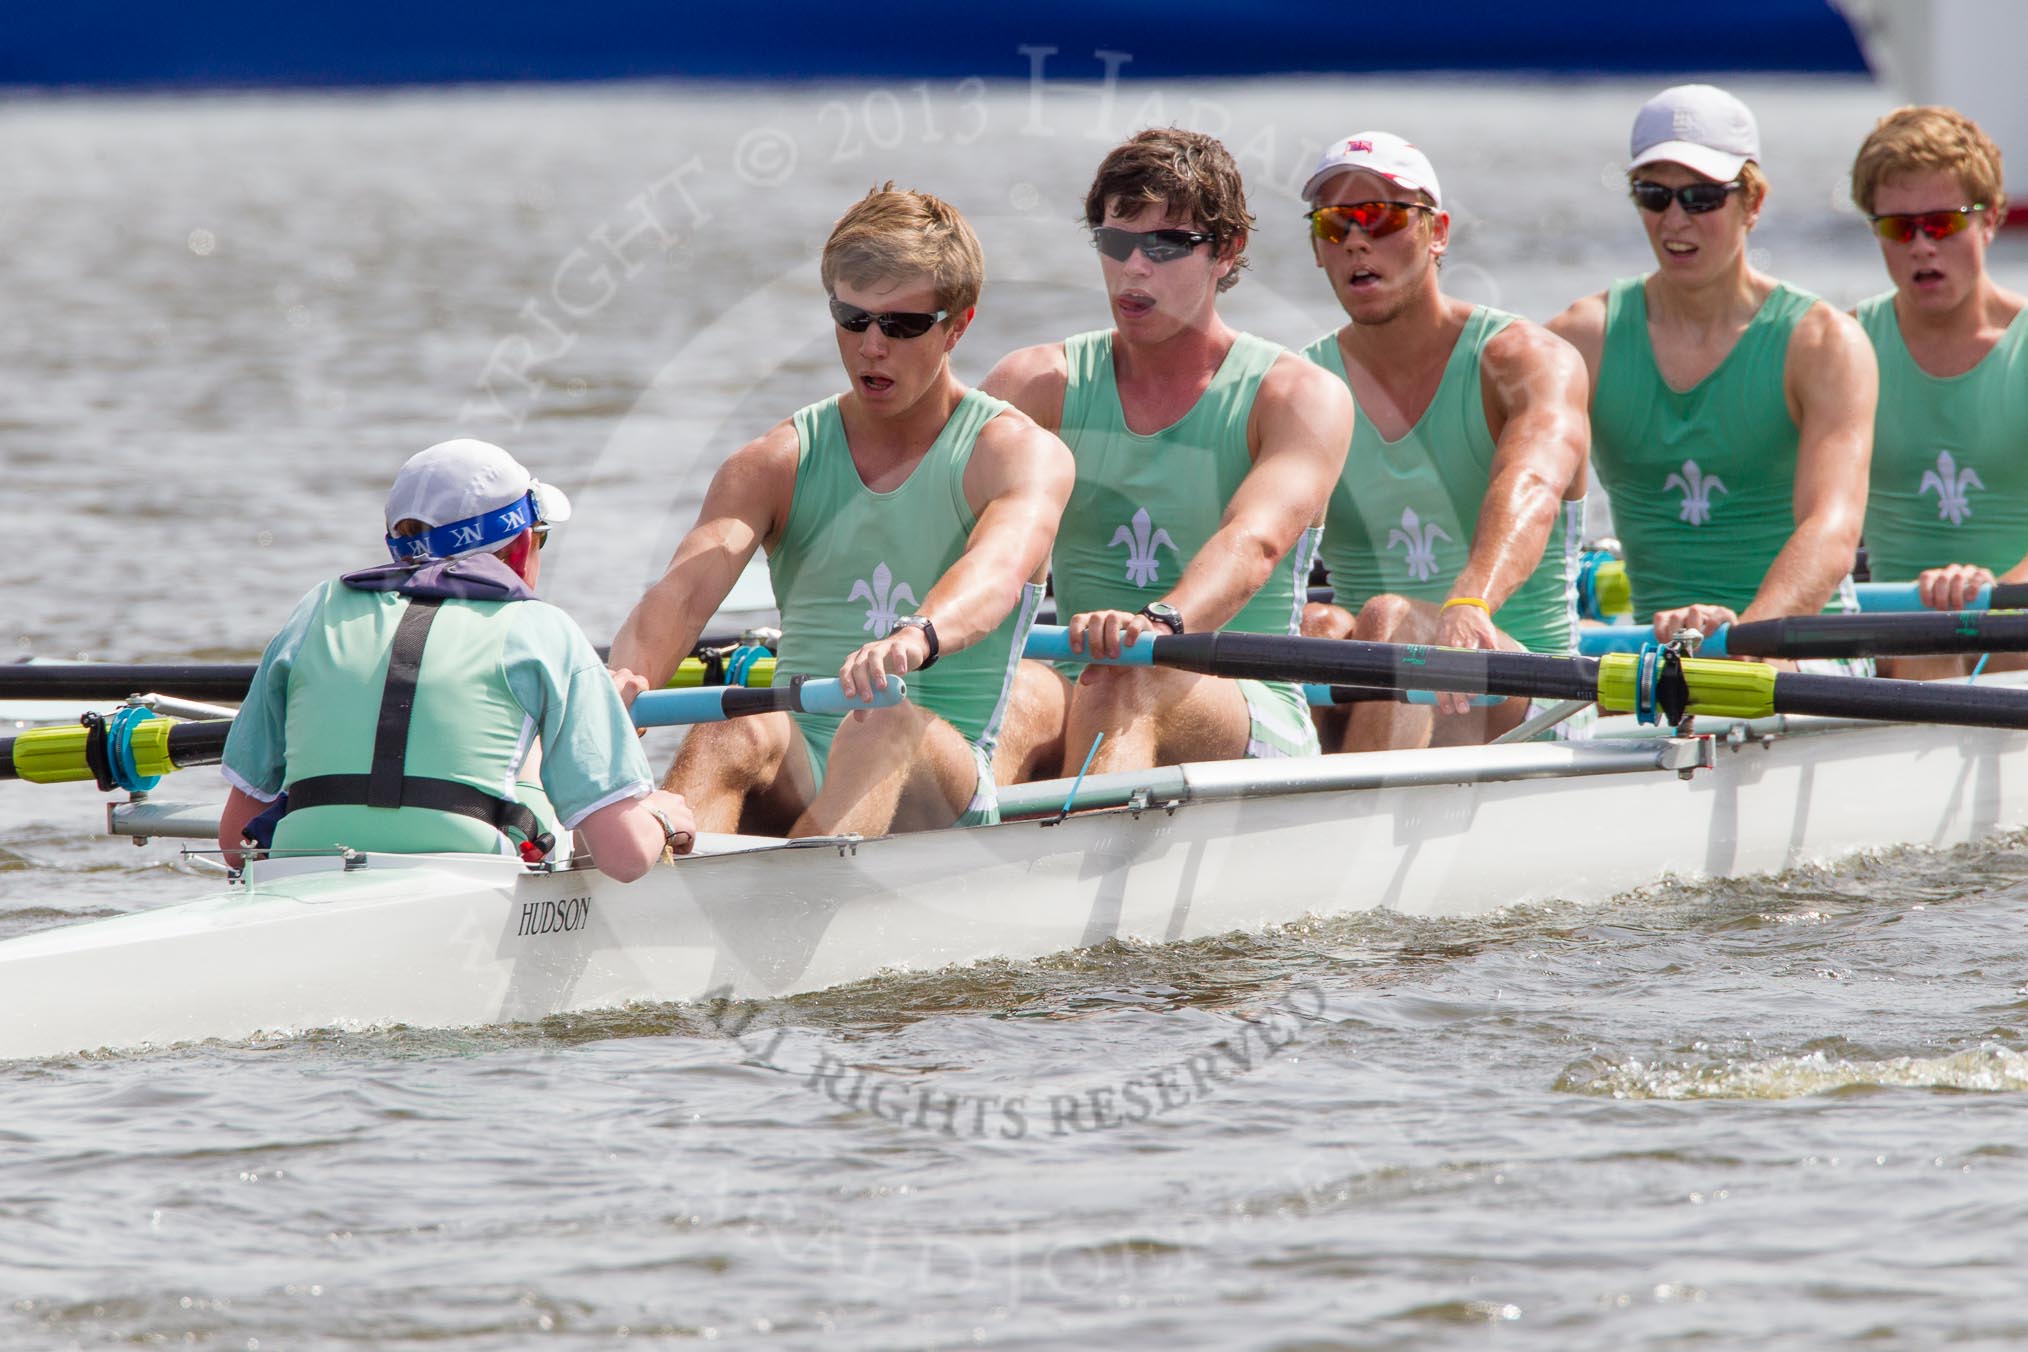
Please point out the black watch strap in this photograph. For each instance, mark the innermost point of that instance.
(929, 631)
(1165, 615)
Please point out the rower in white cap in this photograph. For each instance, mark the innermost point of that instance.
(399, 708)
(1731, 414)
(1455, 520)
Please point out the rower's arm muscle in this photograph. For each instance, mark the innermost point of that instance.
(745, 506)
(1303, 424)
(1034, 380)
(1537, 384)
(1017, 481)
(1833, 385)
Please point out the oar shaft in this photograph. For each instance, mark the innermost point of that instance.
(1885, 598)
(1892, 634)
(1888, 635)
(1271, 657)
(110, 681)
(61, 754)
(1972, 706)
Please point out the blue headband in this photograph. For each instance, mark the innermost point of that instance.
(486, 531)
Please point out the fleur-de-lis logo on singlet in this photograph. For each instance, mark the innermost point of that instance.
(887, 597)
(1952, 485)
(1697, 490)
(1419, 538)
(1142, 539)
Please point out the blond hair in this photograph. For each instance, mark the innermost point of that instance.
(891, 235)
(1186, 173)
(1918, 138)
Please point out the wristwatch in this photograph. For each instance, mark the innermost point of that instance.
(1161, 612)
(929, 631)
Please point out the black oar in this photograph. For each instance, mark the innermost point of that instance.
(1891, 635)
(132, 747)
(229, 680)
(1621, 682)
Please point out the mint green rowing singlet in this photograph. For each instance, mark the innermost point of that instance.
(851, 561)
(1421, 496)
(1702, 481)
(1950, 456)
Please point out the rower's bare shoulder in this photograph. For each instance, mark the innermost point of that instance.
(1296, 382)
(1830, 340)
(1525, 347)
(1583, 325)
(763, 470)
(1033, 379)
(1013, 436)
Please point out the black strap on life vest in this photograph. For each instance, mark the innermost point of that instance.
(387, 784)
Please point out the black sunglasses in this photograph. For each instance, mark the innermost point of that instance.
(1157, 246)
(894, 323)
(1697, 198)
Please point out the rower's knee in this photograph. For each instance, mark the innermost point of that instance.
(738, 754)
(1387, 618)
(1322, 620)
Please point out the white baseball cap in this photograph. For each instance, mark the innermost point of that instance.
(473, 496)
(1698, 126)
(1377, 152)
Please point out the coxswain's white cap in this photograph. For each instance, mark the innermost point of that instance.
(471, 495)
(1698, 126)
(1377, 152)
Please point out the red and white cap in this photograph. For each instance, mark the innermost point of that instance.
(1698, 126)
(1377, 152)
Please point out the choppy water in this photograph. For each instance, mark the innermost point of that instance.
(1785, 1113)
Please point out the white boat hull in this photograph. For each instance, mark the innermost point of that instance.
(466, 940)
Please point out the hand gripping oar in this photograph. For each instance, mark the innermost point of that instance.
(133, 749)
(1654, 685)
(1893, 634)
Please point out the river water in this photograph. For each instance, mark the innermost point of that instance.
(1781, 1113)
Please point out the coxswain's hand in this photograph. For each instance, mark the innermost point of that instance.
(1103, 633)
(1953, 586)
(866, 671)
(672, 806)
(630, 684)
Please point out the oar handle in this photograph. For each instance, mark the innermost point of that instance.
(1890, 597)
(715, 704)
(1051, 643)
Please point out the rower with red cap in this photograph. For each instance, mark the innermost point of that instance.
(400, 708)
(1456, 518)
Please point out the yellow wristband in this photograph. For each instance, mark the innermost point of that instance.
(1465, 601)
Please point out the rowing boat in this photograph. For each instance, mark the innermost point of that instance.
(357, 940)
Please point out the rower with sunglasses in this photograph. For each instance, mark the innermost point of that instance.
(1204, 456)
(907, 524)
(1731, 414)
(1948, 508)
(401, 707)
(1456, 519)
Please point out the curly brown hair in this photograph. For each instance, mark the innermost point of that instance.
(1186, 172)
